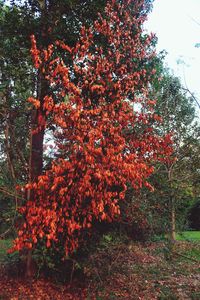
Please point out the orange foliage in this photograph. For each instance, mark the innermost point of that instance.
(103, 142)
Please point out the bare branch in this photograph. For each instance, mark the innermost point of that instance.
(192, 95)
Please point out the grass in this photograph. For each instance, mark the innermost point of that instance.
(188, 236)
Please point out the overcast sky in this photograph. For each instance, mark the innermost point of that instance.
(177, 26)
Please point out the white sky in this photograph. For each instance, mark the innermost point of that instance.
(177, 26)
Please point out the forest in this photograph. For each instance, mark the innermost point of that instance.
(99, 156)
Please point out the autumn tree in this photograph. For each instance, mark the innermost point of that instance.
(99, 148)
(48, 21)
(22, 155)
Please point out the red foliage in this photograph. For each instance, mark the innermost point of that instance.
(19, 288)
(103, 140)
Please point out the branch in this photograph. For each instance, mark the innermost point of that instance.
(18, 150)
(192, 95)
(15, 213)
(6, 192)
(190, 258)
(7, 145)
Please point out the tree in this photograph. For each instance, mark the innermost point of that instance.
(22, 154)
(48, 20)
(174, 180)
(99, 149)
(52, 16)
(45, 19)
(16, 68)
(53, 20)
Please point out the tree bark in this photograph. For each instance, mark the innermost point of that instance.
(172, 233)
(38, 119)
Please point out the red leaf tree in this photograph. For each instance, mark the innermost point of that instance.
(102, 115)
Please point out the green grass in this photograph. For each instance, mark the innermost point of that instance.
(188, 235)
(192, 238)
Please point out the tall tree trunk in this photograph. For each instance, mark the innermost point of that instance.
(38, 119)
(35, 162)
(172, 233)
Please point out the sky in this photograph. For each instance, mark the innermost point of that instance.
(176, 23)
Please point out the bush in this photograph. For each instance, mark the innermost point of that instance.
(194, 216)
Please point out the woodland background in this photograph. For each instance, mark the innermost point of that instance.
(146, 234)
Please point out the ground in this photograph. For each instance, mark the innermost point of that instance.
(121, 271)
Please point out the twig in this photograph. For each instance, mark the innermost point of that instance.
(192, 95)
(14, 216)
(10, 193)
(96, 271)
(112, 263)
(2, 235)
(190, 258)
(72, 271)
(195, 21)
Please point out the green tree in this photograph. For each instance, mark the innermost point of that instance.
(175, 180)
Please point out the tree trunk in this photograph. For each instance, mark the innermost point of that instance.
(172, 233)
(38, 119)
(173, 221)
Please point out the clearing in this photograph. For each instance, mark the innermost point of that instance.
(119, 271)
